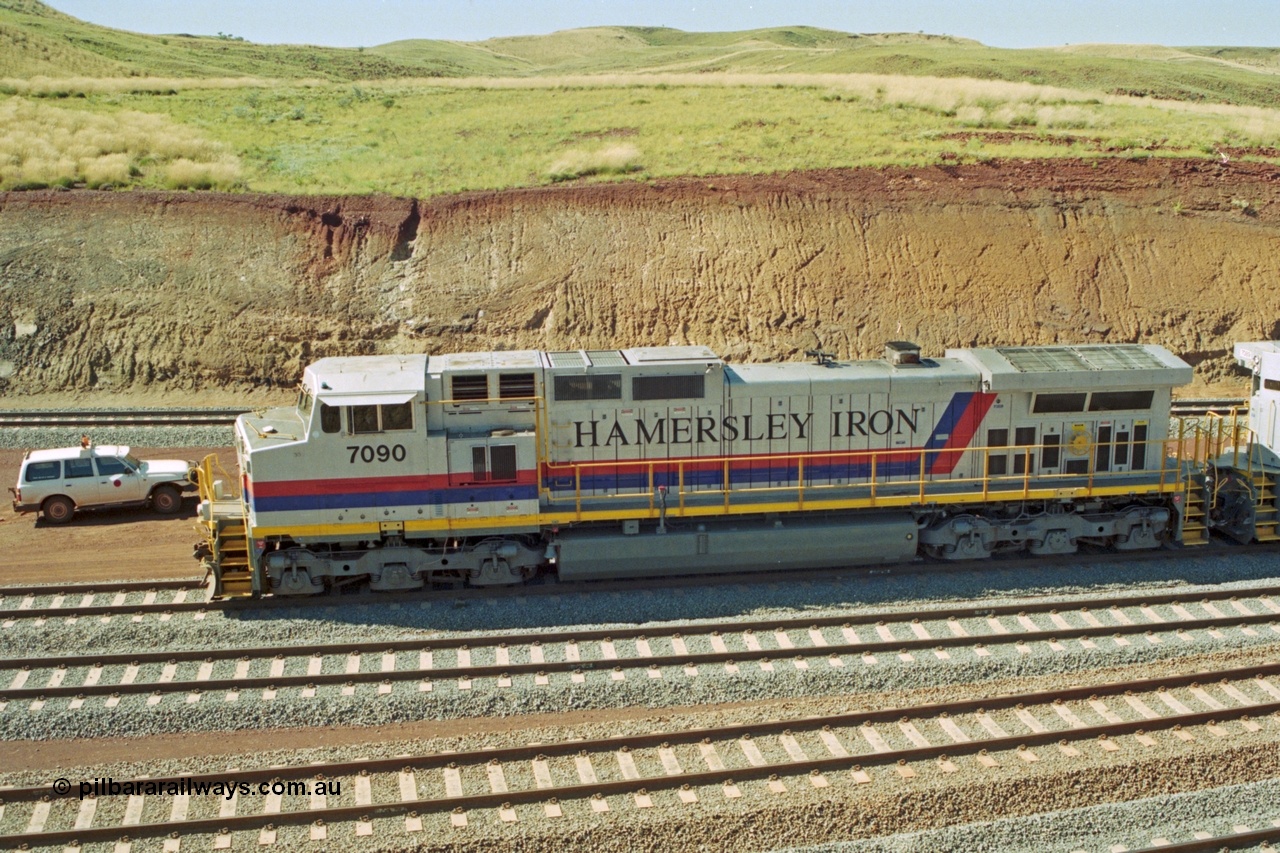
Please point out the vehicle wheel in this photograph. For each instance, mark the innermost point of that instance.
(166, 500)
(58, 509)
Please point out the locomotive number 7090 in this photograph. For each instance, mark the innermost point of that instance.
(380, 453)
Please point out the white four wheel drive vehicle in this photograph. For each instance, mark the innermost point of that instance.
(59, 482)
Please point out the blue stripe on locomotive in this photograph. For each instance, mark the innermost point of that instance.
(423, 497)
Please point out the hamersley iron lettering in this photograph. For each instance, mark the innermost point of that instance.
(773, 427)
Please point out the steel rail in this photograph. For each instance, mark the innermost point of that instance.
(82, 589)
(691, 628)
(611, 743)
(382, 599)
(546, 667)
(687, 779)
(1234, 841)
(32, 418)
(1191, 406)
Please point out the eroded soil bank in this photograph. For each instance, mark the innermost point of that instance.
(191, 296)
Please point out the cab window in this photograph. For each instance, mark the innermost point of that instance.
(330, 418)
(364, 419)
(397, 416)
(384, 418)
(305, 402)
(38, 471)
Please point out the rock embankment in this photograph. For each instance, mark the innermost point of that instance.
(197, 293)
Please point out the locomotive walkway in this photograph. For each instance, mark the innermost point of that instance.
(1189, 407)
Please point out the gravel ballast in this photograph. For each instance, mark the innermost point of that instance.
(448, 699)
(29, 438)
(1141, 823)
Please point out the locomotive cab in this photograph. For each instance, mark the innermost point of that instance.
(1262, 360)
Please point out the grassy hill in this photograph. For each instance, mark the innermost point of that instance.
(38, 40)
(88, 105)
(35, 39)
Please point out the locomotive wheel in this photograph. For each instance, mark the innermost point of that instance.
(166, 500)
(58, 509)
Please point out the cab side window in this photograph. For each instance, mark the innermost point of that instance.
(384, 418)
(364, 419)
(398, 416)
(38, 471)
(109, 466)
(330, 418)
(79, 468)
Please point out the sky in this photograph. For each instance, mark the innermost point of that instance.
(999, 23)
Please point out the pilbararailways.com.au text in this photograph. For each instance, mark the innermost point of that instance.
(226, 788)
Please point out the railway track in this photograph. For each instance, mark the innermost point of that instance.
(1198, 407)
(444, 792)
(610, 654)
(1240, 838)
(73, 601)
(119, 418)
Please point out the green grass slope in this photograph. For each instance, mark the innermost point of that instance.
(423, 118)
(35, 39)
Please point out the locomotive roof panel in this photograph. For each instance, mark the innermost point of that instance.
(634, 357)
(1059, 359)
(514, 359)
(871, 376)
(670, 355)
(587, 358)
(367, 375)
(1076, 367)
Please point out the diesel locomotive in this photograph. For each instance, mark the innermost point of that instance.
(399, 471)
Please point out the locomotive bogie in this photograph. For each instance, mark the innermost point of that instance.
(1051, 529)
(395, 565)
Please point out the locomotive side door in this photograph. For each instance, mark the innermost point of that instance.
(1114, 450)
(1053, 435)
(994, 435)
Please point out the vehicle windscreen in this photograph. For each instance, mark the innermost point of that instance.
(110, 465)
